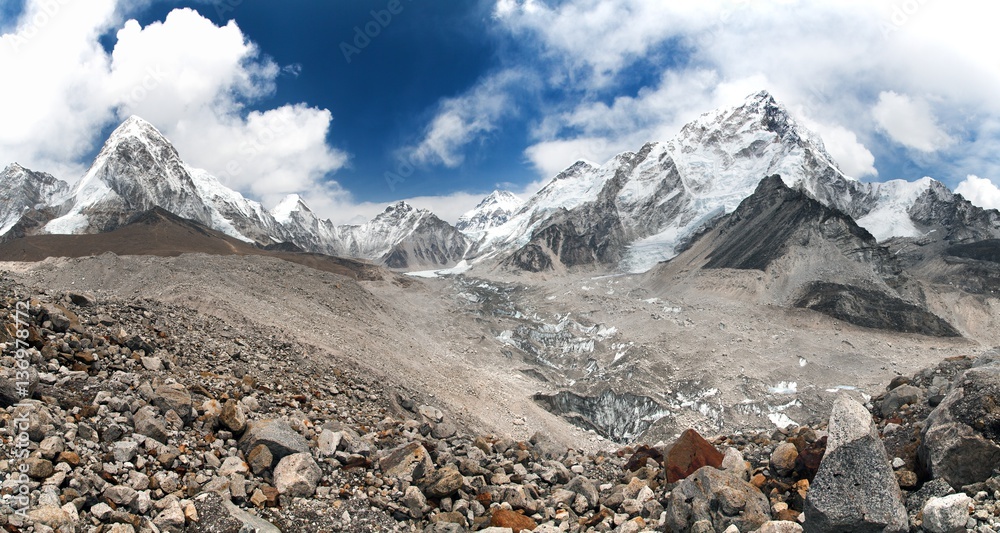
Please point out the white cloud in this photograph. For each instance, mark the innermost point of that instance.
(823, 59)
(980, 191)
(464, 119)
(910, 122)
(187, 76)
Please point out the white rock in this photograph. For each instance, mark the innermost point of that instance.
(948, 514)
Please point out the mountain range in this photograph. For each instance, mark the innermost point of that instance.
(629, 214)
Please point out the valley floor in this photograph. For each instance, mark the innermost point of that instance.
(483, 351)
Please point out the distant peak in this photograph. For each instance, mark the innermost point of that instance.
(399, 206)
(136, 126)
(290, 204)
(762, 96)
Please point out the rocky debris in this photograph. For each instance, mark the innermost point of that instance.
(960, 442)
(855, 488)
(719, 498)
(237, 429)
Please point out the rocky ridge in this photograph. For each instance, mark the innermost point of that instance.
(150, 417)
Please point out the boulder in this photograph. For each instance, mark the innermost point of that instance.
(948, 514)
(148, 423)
(174, 397)
(279, 438)
(409, 459)
(900, 396)
(719, 497)
(297, 475)
(443, 482)
(688, 454)
(783, 459)
(233, 416)
(855, 488)
(960, 442)
(515, 521)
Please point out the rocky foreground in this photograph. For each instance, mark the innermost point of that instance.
(138, 416)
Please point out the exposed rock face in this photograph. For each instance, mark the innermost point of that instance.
(873, 309)
(22, 190)
(775, 217)
(855, 488)
(961, 440)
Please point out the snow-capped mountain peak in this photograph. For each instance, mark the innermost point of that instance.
(22, 190)
(492, 211)
(293, 203)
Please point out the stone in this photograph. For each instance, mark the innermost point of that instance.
(415, 501)
(173, 397)
(233, 417)
(39, 468)
(517, 522)
(297, 475)
(120, 495)
(688, 454)
(431, 414)
(70, 458)
(410, 459)
(171, 519)
(82, 299)
(783, 459)
(153, 364)
(260, 459)
(148, 423)
(329, 442)
(780, 526)
(125, 451)
(443, 482)
(900, 396)
(586, 488)
(718, 496)
(281, 440)
(13, 389)
(960, 441)
(218, 515)
(50, 515)
(50, 447)
(948, 514)
(233, 465)
(855, 488)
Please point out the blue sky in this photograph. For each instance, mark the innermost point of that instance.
(449, 100)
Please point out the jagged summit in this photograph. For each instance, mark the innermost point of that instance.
(492, 211)
(293, 203)
(22, 190)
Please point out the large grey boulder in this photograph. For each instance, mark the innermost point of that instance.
(175, 397)
(279, 438)
(722, 498)
(855, 488)
(960, 442)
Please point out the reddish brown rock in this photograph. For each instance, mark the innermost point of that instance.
(515, 521)
(688, 454)
(807, 463)
(641, 455)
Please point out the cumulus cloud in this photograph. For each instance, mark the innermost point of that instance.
(464, 119)
(980, 191)
(589, 49)
(189, 77)
(910, 122)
